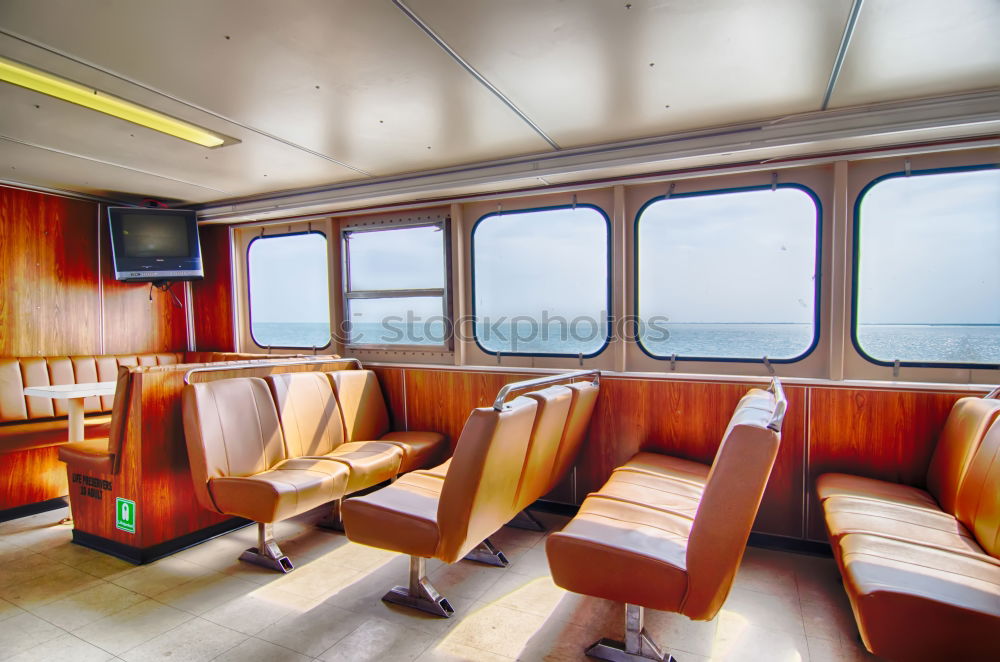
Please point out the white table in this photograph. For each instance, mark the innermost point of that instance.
(74, 395)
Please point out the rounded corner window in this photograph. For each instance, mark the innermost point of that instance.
(541, 281)
(288, 290)
(729, 275)
(926, 279)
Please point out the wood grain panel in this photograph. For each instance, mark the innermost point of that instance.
(391, 381)
(31, 476)
(889, 435)
(132, 322)
(49, 296)
(213, 298)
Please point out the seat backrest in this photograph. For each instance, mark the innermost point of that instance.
(477, 497)
(962, 433)
(119, 417)
(978, 503)
(308, 411)
(361, 404)
(584, 399)
(728, 506)
(231, 428)
(543, 445)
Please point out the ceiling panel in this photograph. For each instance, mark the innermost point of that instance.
(356, 81)
(911, 48)
(594, 71)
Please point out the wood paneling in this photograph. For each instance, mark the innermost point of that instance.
(136, 320)
(889, 435)
(31, 476)
(213, 298)
(391, 381)
(49, 294)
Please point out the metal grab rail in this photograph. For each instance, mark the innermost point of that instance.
(995, 393)
(541, 381)
(259, 363)
(780, 405)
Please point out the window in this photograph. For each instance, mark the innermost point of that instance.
(394, 285)
(289, 290)
(927, 269)
(729, 275)
(540, 281)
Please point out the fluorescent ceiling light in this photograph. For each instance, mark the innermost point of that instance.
(60, 88)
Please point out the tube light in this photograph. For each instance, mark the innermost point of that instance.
(60, 88)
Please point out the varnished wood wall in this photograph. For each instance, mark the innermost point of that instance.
(213, 301)
(882, 433)
(58, 295)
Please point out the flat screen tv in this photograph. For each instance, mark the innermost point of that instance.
(152, 244)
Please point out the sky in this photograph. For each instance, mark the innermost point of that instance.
(930, 253)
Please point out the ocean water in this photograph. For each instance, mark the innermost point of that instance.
(911, 342)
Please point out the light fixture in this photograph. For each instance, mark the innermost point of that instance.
(60, 88)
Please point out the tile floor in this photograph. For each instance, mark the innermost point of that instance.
(60, 601)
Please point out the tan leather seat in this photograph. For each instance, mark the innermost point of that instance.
(313, 427)
(366, 419)
(543, 446)
(428, 516)
(584, 399)
(240, 466)
(651, 540)
(103, 455)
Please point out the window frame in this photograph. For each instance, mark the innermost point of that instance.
(443, 223)
(609, 248)
(253, 338)
(817, 279)
(856, 262)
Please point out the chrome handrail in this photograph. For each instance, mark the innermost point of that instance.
(780, 406)
(541, 381)
(258, 363)
(995, 393)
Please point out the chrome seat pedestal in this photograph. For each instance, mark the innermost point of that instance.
(638, 644)
(420, 594)
(334, 521)
(267, 553)
(488, 553)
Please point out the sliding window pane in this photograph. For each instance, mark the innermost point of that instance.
(398, 321)
(397, 259)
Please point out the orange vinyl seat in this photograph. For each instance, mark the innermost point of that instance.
(103, 456)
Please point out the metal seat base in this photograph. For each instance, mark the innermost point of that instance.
(429, 601)
(333, 521)
(281, 563)
(609, 649)
(488, 553)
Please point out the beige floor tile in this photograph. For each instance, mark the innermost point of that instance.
(41, 533)
(763, 610)
(8, 610)
(535, 595)
(675, 631)
(314, 631)
(744, 642)
(155, 578)
(767, 571)
(254, 611)
(105, 567)
(531, 562)
(451, 652)
(88, 605)
(130, 627)
(72, 554)
(359, 557)
(255, 650)
(509, 536)
(23, 565)
(23, 632)
(830, 619)
(465, 579)
(64, 648)
(48, 587)
(378, 639)
(496, 629)
(206, 592)
(196, 640)
(317, 581)
(556, 641)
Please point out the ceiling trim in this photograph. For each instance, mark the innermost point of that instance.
(965, 110)
(483, 80)
(63, 193)
(845, 43)
(194, 106)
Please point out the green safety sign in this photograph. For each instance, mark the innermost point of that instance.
(125, 515)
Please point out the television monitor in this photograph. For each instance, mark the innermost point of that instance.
(154, 244)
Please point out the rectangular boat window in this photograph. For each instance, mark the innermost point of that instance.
(395, 285)
(729, 275)
(927, 269)
(540, 281)
(289, 290)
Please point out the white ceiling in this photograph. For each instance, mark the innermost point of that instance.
(323, 92)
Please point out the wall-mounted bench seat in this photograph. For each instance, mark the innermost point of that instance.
(921, 567)
(669, 534)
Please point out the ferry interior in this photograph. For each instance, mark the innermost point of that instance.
(446, 330)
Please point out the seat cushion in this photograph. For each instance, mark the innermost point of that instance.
(420, 449)
(401, 517)
(290, 488)
(624, 552)
(440, 471)
(846, 515)
(834, 484)
(38, 434)
(90, 455)
(370, 462)
(663, 493)
(918, 603)
(668, 466)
